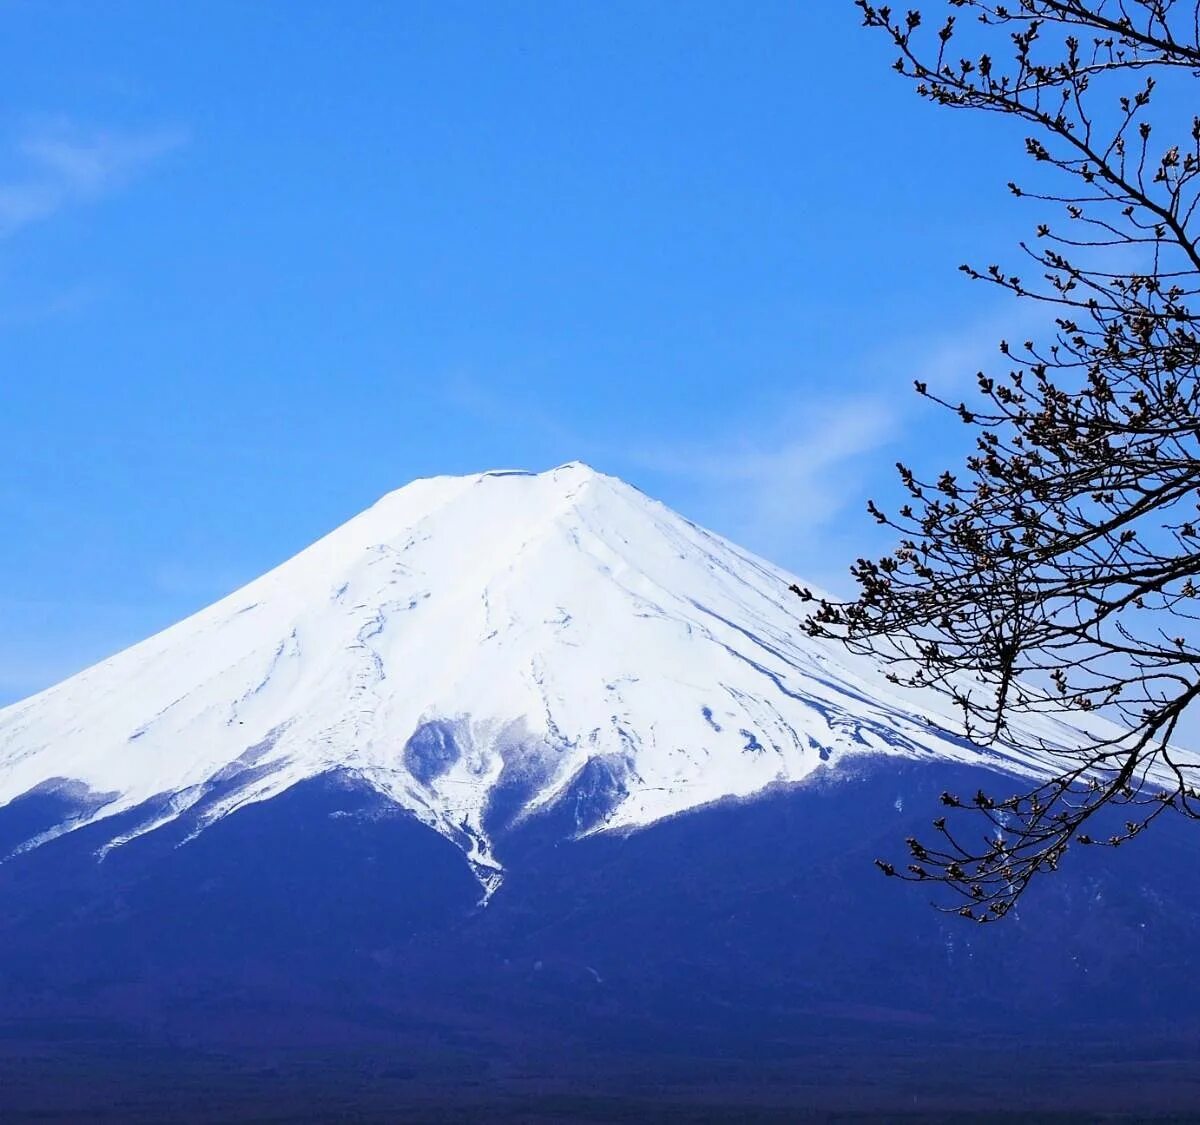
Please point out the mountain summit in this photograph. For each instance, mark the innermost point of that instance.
(476, 649)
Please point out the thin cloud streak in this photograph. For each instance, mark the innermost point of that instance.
(791, 482)
(771, 490)
(61, 167)
(782, 486)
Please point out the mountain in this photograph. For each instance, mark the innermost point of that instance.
(473, 649)
(521, 795)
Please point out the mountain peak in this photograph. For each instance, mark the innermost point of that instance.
(437, 489)
(553, 639)
(580, 467)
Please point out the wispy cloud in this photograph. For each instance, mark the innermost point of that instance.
(790, 479)
(772, 485)
(60, 166)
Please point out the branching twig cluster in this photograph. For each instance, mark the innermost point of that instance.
(1061, 568)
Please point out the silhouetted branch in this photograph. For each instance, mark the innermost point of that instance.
(1060, 569)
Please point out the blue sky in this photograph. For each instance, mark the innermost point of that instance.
(261, 263)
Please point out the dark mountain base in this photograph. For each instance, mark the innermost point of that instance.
(321, 956)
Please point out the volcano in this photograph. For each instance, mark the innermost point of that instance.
(518, 786)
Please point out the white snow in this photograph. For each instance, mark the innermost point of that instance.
(543, 619)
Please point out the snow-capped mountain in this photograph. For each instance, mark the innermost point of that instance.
(468, 640)
(297, 793)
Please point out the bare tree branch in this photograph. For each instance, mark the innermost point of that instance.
(1060, 569)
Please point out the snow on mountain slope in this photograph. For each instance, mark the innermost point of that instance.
(507, 633)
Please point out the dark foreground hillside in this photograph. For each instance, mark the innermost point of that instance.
(320, 956)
